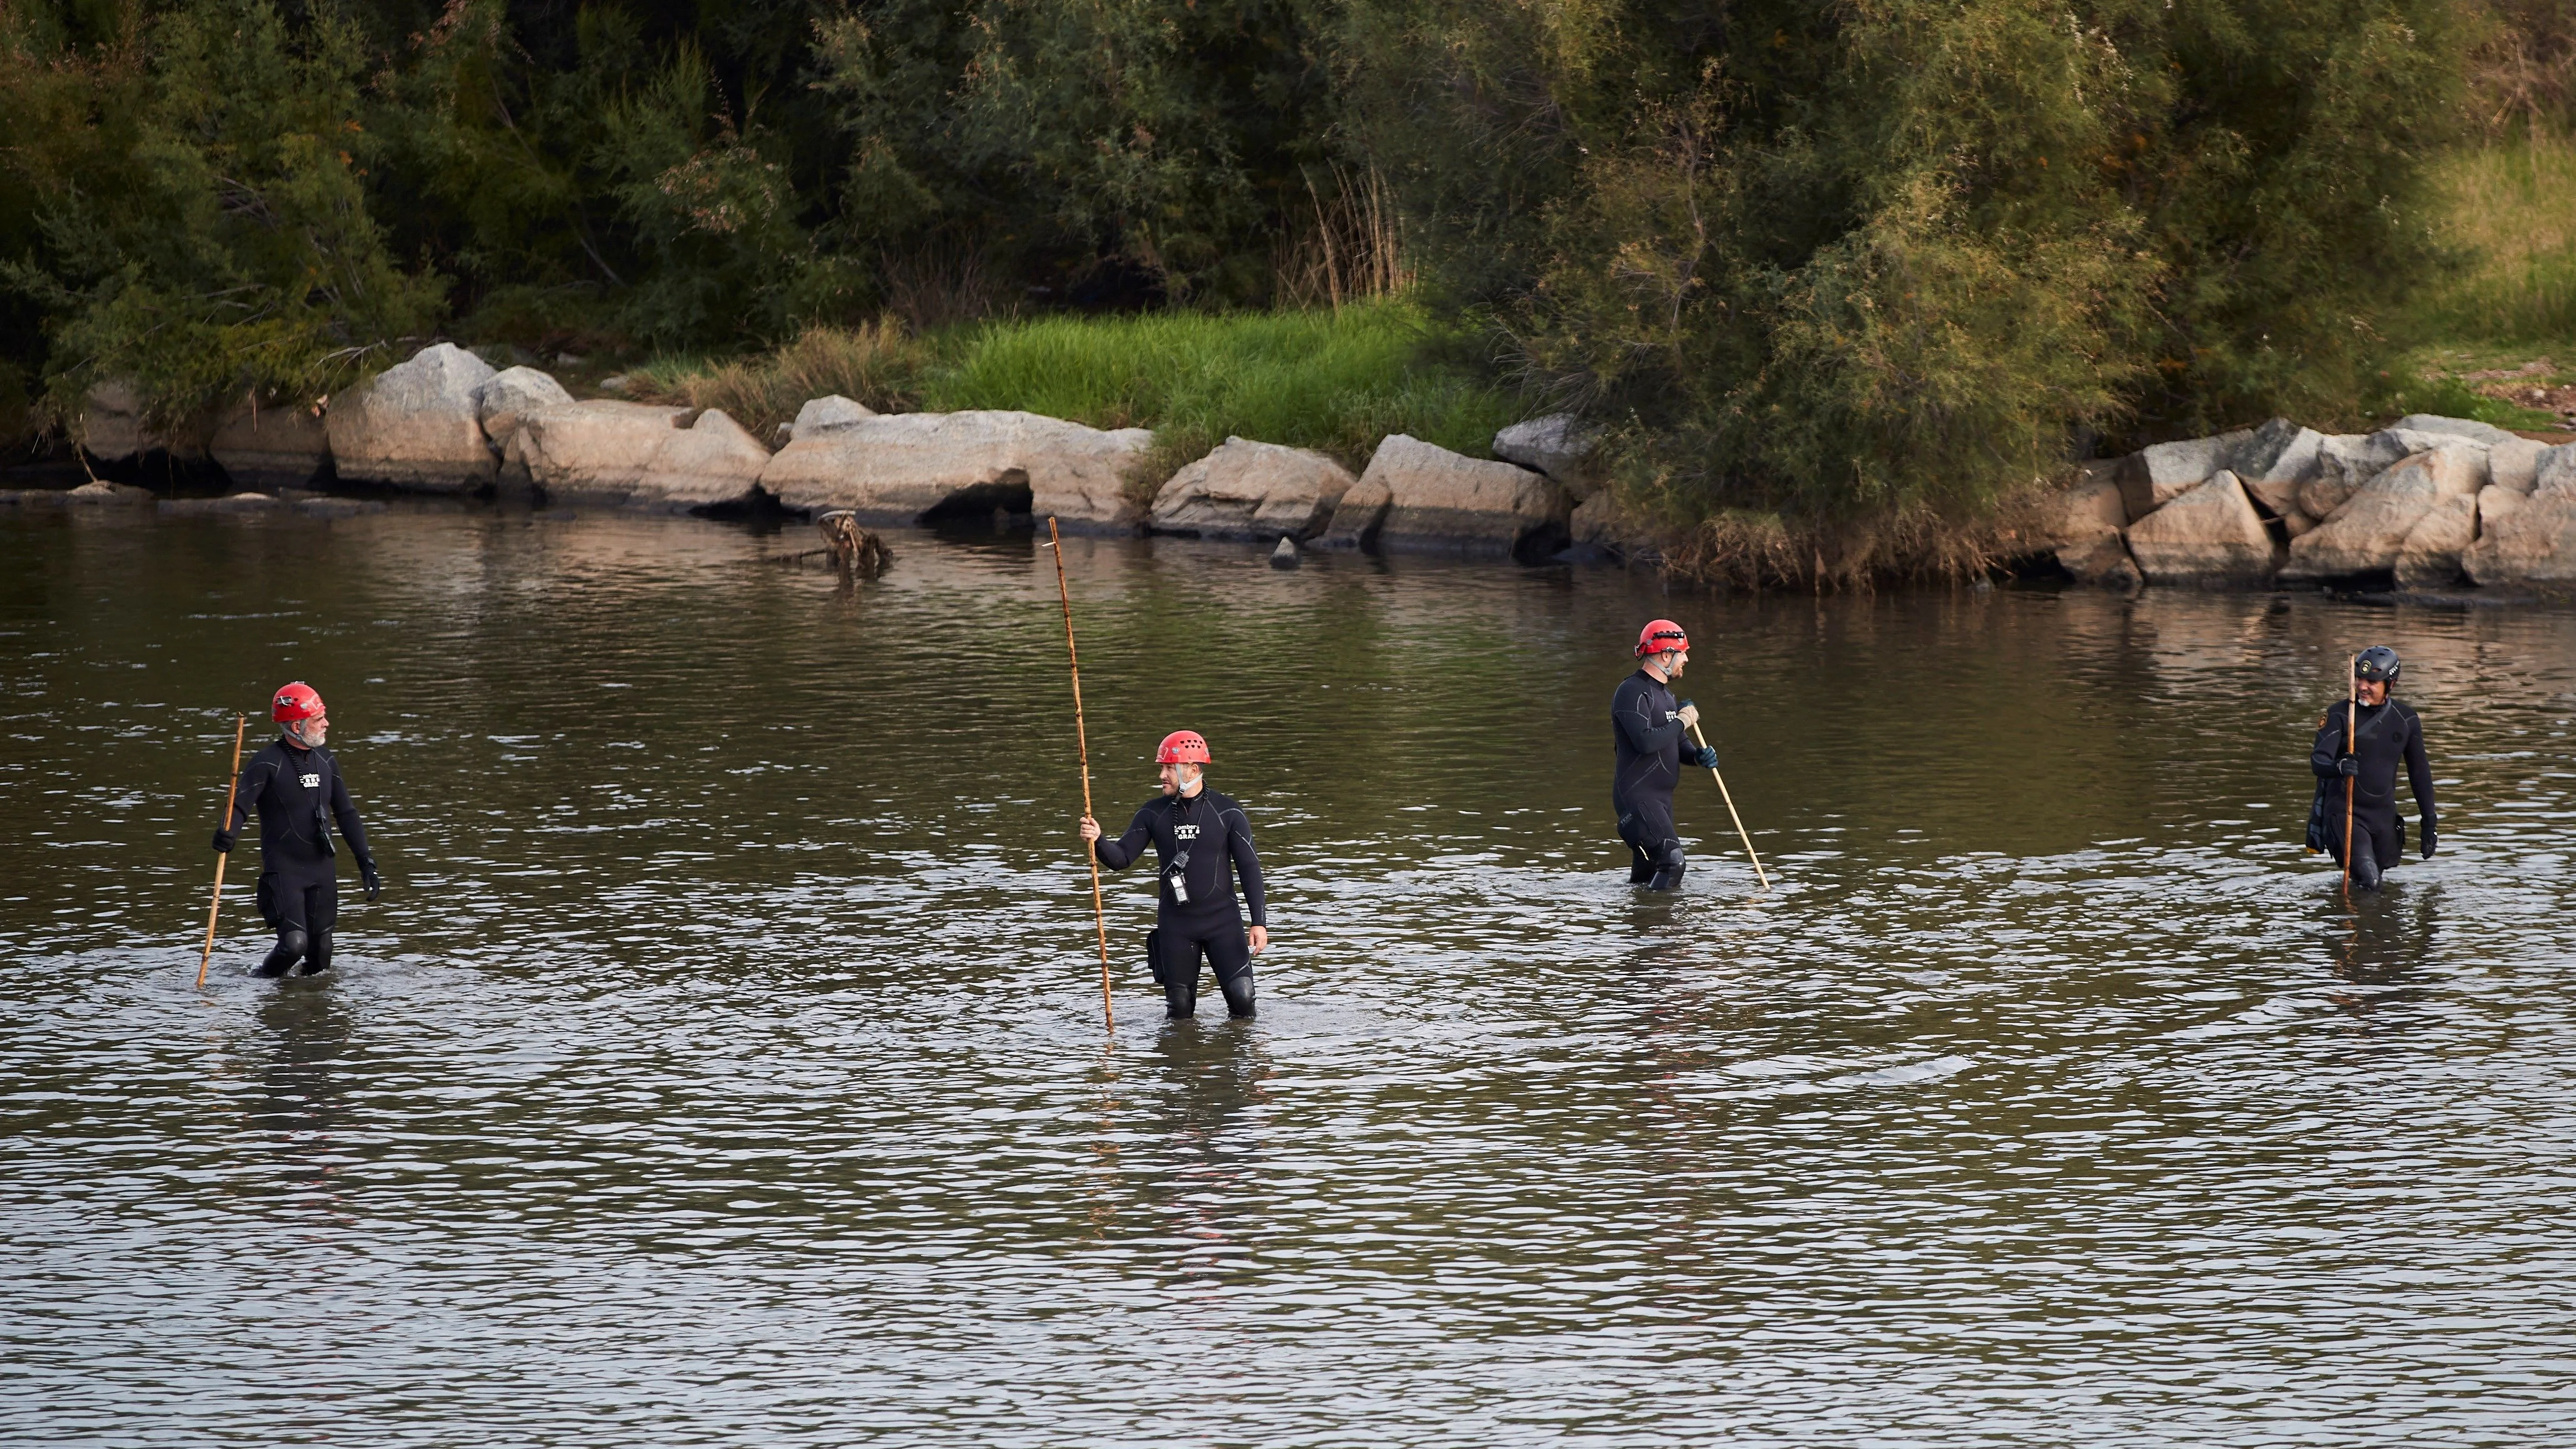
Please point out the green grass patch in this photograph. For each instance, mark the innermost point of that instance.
(2510, 207)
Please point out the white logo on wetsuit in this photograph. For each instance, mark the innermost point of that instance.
(1185, 832)
(309, 782)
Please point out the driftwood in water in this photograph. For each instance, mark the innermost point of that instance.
(852, 549)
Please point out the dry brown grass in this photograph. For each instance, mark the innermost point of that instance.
(879, 364)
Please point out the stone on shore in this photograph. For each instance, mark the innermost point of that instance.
(713, 462)
(2515, 464)
(2099, 558)
(2155, 475)
(594, 451)
(2528, 538)
(1418, 497)
(2366, 535)
(2207, 535)
(280, 446)
(2091, 505)
(822, 415)
(2486, 434)
(417, 425)
(512, 394)
(2273, 461)
(916, 467)
(1557, 445)
(110, 427)
(1245, 489)
(2430, 556)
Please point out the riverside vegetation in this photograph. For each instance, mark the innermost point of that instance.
(1840, 289)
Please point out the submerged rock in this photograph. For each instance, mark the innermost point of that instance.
(2206, 535)
(1285, 555)
(1251, 490)
(918, 467)
(1419, 497)
(98, 494)
(230, 503)
(417, 425)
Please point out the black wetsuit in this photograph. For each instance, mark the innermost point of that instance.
(1196, 839)
(2389, 733)
(1647, 736)
(298, 793)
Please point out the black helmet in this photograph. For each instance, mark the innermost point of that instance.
(2376, 665)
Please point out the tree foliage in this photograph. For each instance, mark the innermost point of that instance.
(1867, 254)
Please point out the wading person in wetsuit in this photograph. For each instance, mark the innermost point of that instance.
(296, 787)
(1648, 733)
(2389, 732)
(1196, 833)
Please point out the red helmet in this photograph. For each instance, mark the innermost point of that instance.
(295, 702)
(1182, 747)
(1660, 635)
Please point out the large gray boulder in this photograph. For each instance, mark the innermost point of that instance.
(2155, 475)
(1557, 445)
(1246, 489)
(2273, 461)
(1419, 497)
(2206, 535)
(2345, 463)
(909, 467)
(2528, 539)
(2368, 532)
(417, 425)
(2515, 463)
(636, 455)
(2429, 558)
(595, 450)
(110, 427)
(511, 393)
(713, 462)
(2485, 434)
(822, 415)
(271, 446)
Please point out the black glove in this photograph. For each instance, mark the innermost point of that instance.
(2347, 765)
(375, 883)
(223, 842)
(2428, 840)
(1705, 757)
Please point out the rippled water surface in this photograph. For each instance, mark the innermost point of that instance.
(725, 1062)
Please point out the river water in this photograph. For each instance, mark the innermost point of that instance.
(725, 1063)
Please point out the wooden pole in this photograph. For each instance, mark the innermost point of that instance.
(1082, 743)
(1740, 832)
(232, 782)
(2351, 746)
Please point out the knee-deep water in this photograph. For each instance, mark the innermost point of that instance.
(725, 1063)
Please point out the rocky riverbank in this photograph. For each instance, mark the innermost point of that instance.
(2430, 503)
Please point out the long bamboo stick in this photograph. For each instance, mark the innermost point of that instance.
(2351, 746)
(1082, 742)
(1740, 832)
(232, 783)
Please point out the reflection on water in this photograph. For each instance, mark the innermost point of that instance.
(724, 1063)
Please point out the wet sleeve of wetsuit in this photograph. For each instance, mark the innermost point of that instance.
(2419, 770)
(345, 812)
(1247, 866)
(1645, 739)
(254, 778)
(1121, 853)
(2329, 748)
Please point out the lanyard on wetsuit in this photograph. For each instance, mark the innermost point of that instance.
(1178, 873)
